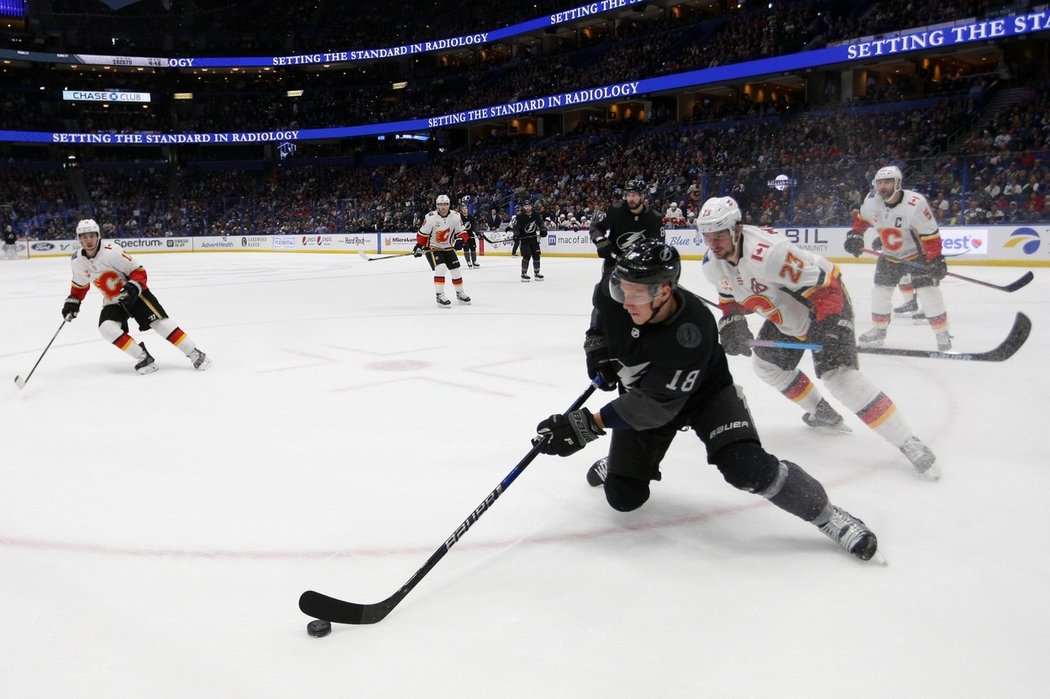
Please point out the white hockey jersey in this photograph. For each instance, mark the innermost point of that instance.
(439, 232)
(107, 270)
(776, 279)
(908, 230)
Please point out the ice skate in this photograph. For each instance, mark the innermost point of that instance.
(476, 265)
(851, 534)
(146, 365)
(921, 458)
(462, 298)
(525, 277)
(944, 341)
(200, 360)
(825, 417)
(539, 277)
(919, 318)
(442, 300)
(873, 338)
(597, 472)
(907, 308)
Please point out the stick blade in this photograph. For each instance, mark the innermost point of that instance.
(331, 609)
(19, 382)
(361, 253)
(1023, 280)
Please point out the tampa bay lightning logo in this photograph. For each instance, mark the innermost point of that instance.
(531, 228)
(688, 335)
(628, 240)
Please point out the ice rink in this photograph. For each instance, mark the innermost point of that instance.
(156, 531)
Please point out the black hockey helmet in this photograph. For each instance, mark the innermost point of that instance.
(635, 186)
(648, 262)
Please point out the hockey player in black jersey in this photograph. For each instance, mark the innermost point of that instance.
(470, 226)
(659, 343)
(614, 230)
(528, 227)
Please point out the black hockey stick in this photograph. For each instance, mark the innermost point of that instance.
(19, 381)
(1022, 327)
(331, 609)
(495, 242)
(383, 257)
(1021, 281)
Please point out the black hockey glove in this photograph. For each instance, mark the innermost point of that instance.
(417, 251)
(71, 308)
(129, 294)
(458, 245)
(854, 243)
(604, 247)
(937, 267)
(876, 245)
(734, 334)
(599, 363)
(834, 330)
(567, 433)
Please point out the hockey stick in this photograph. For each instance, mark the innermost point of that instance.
(495, 242)
(331, 609)
(19, 381)
(382, 257)
(1021, 281)
(1017, 336)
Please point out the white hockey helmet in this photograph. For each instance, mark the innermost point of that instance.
(443, 199)
(890, 172)
(718, 214)
(87, 225)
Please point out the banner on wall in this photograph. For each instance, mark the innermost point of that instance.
(1021, 244)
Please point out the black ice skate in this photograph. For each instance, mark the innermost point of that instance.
(597, 472)
(907, 308)
(825, 417)
(442, 300)
(147, 364)
(850, 533)
(462, 298)
(539, 277)
(873, 338)
(200, 360)
(525, 277)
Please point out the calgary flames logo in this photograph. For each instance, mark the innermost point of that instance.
(109, 283)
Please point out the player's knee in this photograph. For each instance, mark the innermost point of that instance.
(110, 330)
(747, 466)
(624, 493)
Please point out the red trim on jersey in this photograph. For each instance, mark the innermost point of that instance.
(828, 299)
(931, 246)
(139, 275)
(78, 292)
(859, 224)
(730, 306)
(423, 240)
(878, 411)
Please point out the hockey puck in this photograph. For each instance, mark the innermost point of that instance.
(319, 628)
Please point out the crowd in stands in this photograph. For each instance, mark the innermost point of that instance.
(793, 161)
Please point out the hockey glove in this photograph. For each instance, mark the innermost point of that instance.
(854, 243)
(876, 245)
(599, 363)
(734, 334)
(604, 247)
(567, 434)
(832, 331)
(417, 251)
(129, 294)
(71, 308)
(458, 245)
(937, 268)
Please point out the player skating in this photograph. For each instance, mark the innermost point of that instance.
(125, 295)
(908, 230)
(674, 375)
(802, 296)
(528, 227)
(440, 235)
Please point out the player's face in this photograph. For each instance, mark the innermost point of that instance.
(720, 244)
(886, 188)
(633, 200)
(88, 241)
(638, 301)
(443, 209)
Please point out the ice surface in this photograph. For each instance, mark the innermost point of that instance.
(156, 531)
